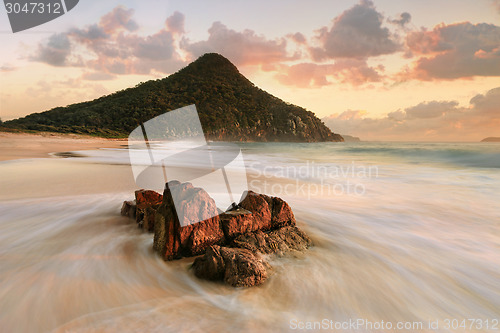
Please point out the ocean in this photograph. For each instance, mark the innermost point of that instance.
(406, 238)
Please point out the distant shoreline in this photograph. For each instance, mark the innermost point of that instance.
(22, 145)
(8, 130)
(491, 139)
(15, 146)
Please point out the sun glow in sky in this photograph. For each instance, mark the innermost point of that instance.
(382, 70)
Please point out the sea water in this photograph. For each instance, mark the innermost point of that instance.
(404, 234)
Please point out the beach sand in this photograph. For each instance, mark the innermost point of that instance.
(32, 166)
(413, 248)
(23, 145)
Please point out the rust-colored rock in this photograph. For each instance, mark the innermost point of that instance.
(147, 198)
(273, 212)
(279, 241)
(173, 241)
(258, 204)
(147, 202)
(186, 222)
(240, 221)
(176, 238)
(282, 214)
(192, 204)
(236, 267)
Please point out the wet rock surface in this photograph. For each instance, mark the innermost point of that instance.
(232, 244)
(128, 209)
(235, 266)
(147, 202)
(174, 241)
(241, 221)
(280, 241)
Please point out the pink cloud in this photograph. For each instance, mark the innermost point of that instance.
(403, 19)
(298, 38)
(434, 120)
(242, 48)
(175, 23)
(349, 71)
(356, 33)
(496, 4)
(55, 52)
(113, 47)
(460, 50)
(7, 68)
(118, 19)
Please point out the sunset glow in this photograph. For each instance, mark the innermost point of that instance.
(381, 70)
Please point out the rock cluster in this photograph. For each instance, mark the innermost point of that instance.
(143, 208)
(232, 243)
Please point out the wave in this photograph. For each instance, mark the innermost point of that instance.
(421, 243)
(466, 155)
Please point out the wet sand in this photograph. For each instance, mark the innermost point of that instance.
(413, 248)
(15, 146)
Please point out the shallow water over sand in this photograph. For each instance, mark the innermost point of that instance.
(420, 243)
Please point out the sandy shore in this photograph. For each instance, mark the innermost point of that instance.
(22, 145)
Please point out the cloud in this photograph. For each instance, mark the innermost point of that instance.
(496, 3)
(454, 51)
(305, 75)
(298, 38)
(93, 32)
(55, 52)
(487, 104)
(309, 75)
(119, 19)
(69, 90)
(97, 76)
(175, 23)
(7, 68)
(242, 48)
(356, 71)
(434, 120)
(432, 109)
(404, 18)
(156, 47)
(112, 47)
(356, 33)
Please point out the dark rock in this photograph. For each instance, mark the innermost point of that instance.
(147, 203)
(128, 209)
(236, 267)
(210, 266)
(278, 241)
(171, 240)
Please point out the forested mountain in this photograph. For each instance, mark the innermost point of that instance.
(230, 108)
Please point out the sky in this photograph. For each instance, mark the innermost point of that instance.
(381, 70)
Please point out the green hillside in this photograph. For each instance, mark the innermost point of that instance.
(230, 108)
